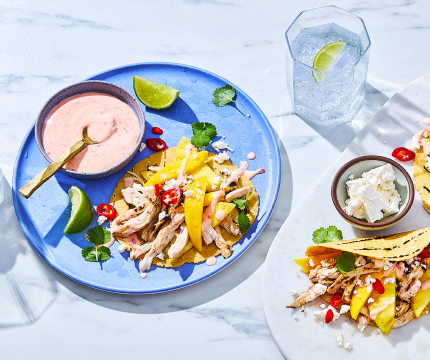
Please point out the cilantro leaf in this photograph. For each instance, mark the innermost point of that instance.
(319, 235)
(334, 234)
(345, 262)
(241, 204)
(89, 254)
(98, 235)
(244, 222)
(104, 253)
(203, 132)
(323, 235)
(224, 95)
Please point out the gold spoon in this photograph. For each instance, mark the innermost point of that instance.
(28, 189)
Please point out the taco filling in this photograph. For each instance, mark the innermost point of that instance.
(377, 281)
(179, 205)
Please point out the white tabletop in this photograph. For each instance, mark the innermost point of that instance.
(46, 46)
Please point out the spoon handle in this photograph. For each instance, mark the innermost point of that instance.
(28, 189)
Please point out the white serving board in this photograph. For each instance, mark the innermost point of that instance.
(305, 338)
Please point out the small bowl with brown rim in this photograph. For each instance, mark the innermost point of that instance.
(357, 167)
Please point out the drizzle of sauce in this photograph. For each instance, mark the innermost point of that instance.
(132, 240)
(251, 174)
(251, 156)
(427, 121)
(181, 178)
(235, 175)
(207, 215)
(143, 275)
(128, 182)
(127, 194)
(220, 215)
(211, 261)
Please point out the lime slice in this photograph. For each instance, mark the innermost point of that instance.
(325, 57)
(153, 95)
(82, 211)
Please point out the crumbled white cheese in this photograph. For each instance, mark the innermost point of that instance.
(389, 280)
(188, 193)
(358, 283)
(370, 300)
(369, 288)
(413, 145)
(311, 263)
(351, 177)
(322, 306)
(362, 323)
(121, 248)
(374, 195)
(220, 145)
(339, 338)
(142, 147)
(197, 197)
(194, 156)
(213, 187)
(293, 292)
(344, 309)
(161, 215)
(348, 346)
(226, 172)
(199, 191)
(160, 256)
(426, 134)
(221, 157)
(101, 219)
(355, 291)
(171, 184)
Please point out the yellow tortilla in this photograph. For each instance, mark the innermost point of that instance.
(166, 157)
(422, 177)
(395, 247)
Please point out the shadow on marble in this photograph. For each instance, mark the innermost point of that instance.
(27, 289)
(341, 135)
(209, 289)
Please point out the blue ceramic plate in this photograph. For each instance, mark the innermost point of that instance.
(44, 216)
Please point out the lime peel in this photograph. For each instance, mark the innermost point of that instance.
(325, 57)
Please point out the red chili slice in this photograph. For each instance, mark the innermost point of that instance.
(156, 144)
(425, 254)
(106, 210)
(335, 300)
(379, 288)
(403, 154)
(329, 316)
(157, 130)
(172, 196)
(157, 190)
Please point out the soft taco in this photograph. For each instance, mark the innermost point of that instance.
(176, 207)
(380, 280)
(421, 173)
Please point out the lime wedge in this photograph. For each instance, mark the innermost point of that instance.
(325, 57)
(153, 95)
(82, 211)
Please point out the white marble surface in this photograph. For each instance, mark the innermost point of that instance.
(47, 45)
(391, 127)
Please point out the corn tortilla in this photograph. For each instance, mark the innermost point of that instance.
(422, 177)
(166, 157)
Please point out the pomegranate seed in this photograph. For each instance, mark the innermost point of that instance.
(335, 300)
(379, 288)
(329, 316)
(157, 130)
(425, 254)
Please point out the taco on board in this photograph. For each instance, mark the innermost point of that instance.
(380, 280)
(176, 207)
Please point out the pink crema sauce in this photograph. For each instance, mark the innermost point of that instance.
(207, 215)
(181, 177)
(143, 275)
(220, 215)
(427, 121)
(251, 174)
(210, 261)
(374, 313)
(419, 135)
(235, 175)
(109, 120)
(251, 156)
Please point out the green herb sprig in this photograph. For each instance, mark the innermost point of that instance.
(242, 205)
(203, 132)
(323, 235)
(223, 95)
(97, 236)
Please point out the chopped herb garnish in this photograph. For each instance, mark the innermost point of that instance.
(224, 95)
(244, 222)
(345, 262)
(97, 236)
(241, 204)
(203, 132)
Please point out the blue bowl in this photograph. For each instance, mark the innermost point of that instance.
(86, 87)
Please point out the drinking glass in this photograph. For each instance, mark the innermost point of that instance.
(336, 94)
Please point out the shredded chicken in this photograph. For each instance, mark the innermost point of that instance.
(404, 319)
(409, 281)
(221, 244)
(230, 226)
(179, 244)
(241, 192)
(349, 287)
(309, 295)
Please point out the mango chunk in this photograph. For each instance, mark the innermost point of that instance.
(304, 262)
(193, 208)
(226, 207)
(208, 198)
(171, 171)
(147, 174)
(385, 319)
(180, 148)
(420, 301)
(214, 181)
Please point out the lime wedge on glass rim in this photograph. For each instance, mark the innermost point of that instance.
(154, 95)
(325, 57)
(82, 211)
